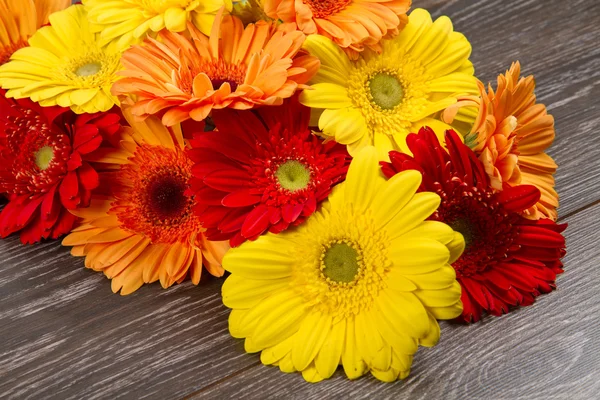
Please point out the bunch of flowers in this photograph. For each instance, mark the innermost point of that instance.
(338, 160)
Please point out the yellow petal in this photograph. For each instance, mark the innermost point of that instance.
(420, 207)
(175, 19)
(326, 96)
(397, 192)
(363, 180)
(330, 355)
(312, 334)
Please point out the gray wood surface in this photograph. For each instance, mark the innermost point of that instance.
(64, 335)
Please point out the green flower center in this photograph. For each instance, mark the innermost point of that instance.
(293, 175)
(340, 262)
(463, 226)
(386, 90)
(88, 69)
(43, 157)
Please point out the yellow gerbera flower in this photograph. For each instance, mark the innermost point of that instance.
(360, 283)
(380, 98)
(64, 65)
(127, 21)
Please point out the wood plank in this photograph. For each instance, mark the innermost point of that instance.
(65, 334)
(550, 350)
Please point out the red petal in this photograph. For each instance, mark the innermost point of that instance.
(241, 198)
(228, 145)
(50, 207)
(88, 177)
(213, 215)
(208, 196)
(30, 206)
(310, 206)
(87, 139)
(474, 289)
(518, 198)
(532, 235)
(234, 220)
(229, 180)
(256, 222)
(64, 225)
(290, 212)
(33, 232)
(68, 190)
(74, 161)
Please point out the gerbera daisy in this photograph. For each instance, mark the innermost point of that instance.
(139, 227)
(511, 135)
(508, 260)
(235, 67)
(19, 19)
(351, 24)
(64, 65)
(127, 21)
(44, 171)
(379, 99)
(262, 171)
(360, 283)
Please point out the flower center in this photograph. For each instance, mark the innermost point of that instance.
(390, 98)
(43, 157)
(34, 153)
(88, 69)
(463, 226)
(324, 8)
(489, 231)
(293, 175)
(386, 91)
(340, 262)
(151, 195)
(166, 196)
(91, 68)
(218, 71)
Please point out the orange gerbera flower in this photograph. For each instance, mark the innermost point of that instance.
(19, 19)
(351, 24)
(139, 227)
(183, 78)
(510, 135)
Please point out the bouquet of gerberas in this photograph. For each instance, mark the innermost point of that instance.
(339, 158)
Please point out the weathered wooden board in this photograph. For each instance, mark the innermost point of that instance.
(63, 334)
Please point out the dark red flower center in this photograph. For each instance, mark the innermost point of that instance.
(151, 198)
(487, 228)
(34, 154)
(166, 198)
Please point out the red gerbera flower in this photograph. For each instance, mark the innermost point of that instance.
(43, 173)
(508, 260)
(262, 171)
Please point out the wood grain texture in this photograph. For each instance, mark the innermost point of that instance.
(64, 335)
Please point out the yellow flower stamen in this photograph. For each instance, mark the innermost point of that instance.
(389, 98)
(328, 276)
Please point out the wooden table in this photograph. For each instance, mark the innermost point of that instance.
(63, 334)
